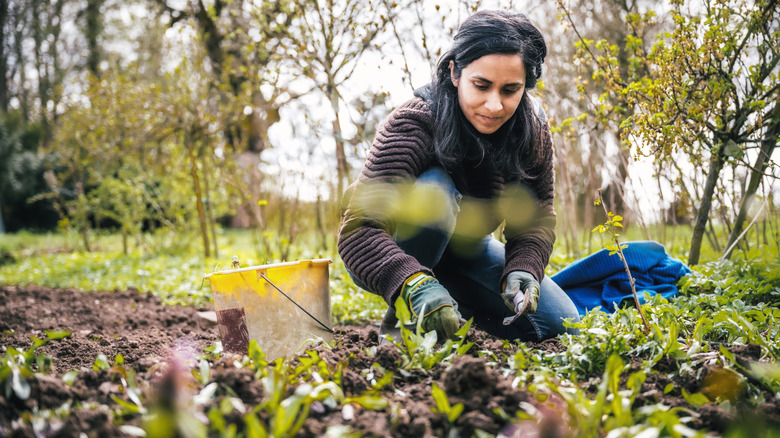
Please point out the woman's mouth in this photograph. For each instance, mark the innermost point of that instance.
(489, 119)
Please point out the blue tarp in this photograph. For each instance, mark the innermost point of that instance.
(600, 279)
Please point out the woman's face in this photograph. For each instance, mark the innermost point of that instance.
(490, 89)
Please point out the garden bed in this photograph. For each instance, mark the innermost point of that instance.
(118, 363)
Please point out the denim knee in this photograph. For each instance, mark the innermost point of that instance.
(427, 241)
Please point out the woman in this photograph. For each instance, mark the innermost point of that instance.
(471, 150)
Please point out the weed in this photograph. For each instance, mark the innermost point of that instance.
(419, 350)
(18, 365)
(443, 406)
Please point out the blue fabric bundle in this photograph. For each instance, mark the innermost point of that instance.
(600, 279)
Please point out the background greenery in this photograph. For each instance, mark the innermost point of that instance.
(181, 119)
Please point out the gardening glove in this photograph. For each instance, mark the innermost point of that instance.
(426, 298)
(521, 294)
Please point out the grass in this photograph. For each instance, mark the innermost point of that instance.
(172, 267)
(55, 260)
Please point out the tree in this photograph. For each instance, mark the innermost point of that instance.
(715, 88)
(93, 27)
(331, 36)
(4, 52)
(757, 171)
(244, 43)
(705, 89)
(596, 106)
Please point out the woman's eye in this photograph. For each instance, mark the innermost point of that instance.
(511, 90)
(481, 87)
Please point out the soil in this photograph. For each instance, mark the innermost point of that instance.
(159, 345)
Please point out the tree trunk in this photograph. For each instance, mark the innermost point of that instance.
(589, 213)
(85, 238)
(341, 156)
(21, 53)
(3, 68)
(40, 69)
(91, 32)
(210, 208)
(767, 148)
(663, 211)
(703, 213)
(84, 219)
(712, 236)
(199, 199)
(320, 225)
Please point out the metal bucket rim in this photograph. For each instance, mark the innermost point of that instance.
(268, 266)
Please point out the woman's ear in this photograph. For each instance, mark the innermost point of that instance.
(452, 74)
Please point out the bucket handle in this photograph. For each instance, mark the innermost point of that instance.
(293, 301)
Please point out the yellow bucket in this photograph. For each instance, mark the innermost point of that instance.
(283, 306)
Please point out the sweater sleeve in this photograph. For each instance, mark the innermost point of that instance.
(528, 248)
(400, 152)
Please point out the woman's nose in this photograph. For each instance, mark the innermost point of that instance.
(493, 103)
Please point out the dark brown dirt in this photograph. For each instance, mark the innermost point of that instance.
(160, 344)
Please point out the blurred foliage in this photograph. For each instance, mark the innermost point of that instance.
(22, 166)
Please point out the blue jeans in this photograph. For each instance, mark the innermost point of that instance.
(473, 280)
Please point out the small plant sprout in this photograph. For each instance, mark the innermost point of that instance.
(613, 222)
(443, 405)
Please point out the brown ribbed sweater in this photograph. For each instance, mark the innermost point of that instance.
(402, 150)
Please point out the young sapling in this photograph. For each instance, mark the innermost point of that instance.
(613, 221)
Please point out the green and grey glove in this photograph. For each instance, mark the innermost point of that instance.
(521, 293)
(426, 298)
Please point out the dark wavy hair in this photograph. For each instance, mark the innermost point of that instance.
(515, 146)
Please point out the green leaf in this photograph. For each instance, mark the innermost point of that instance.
(372, 402)
(461, 333)
(696, 399)
(254, 428)
(440, 398)
(127, 406)
(216, 349)
(205, 371)
(69, 378)
(132, 394)
(464, 347)
(383, 381)
(57, 334)
(455, 412)
(402, 312)
(19, 385)
(101, 363)
(132, 430)
(429, 340)
(255, 353)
